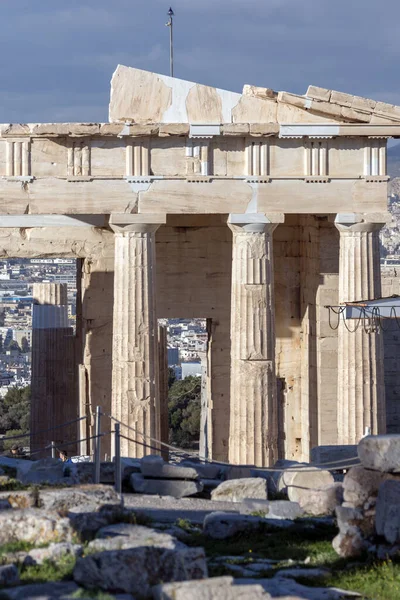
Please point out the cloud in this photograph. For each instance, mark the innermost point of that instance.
(60, 57)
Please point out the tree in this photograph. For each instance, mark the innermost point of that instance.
(171, 377)
(184, 408)
(15, 410)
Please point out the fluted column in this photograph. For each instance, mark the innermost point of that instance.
(135, 395)
(253, 414)
(54, 399)
(361, 390)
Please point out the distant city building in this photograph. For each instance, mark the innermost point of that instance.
(191, 369)
(173, 356)
(20, 334)
(178, 371)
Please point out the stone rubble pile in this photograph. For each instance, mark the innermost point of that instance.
(130, 561)
(313, 489)
(113, 553)
(186, 479)
(369, 517)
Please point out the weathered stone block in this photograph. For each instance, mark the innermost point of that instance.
(279, 479)
(293, 99)
(341, 98)
(164, 487)
(326, 108)
(309, 478)
(207, 471)
(237, 490)
(387, 520)
(46, 470)
(216, 588)
(33, 525)
(350, 544)
(356, 115)
(360, 484)
(361, 103)
(318, 93)
(259, 92)
(348, 517)
(321, 501)
(235, 129)
(129, 466)
(380, 453)
(236, 472)
(42, 591)
(173, 129)
(330, 454)
(275, 509)
(163, 470)
(84, 472)
(137, 570)
(52, 553)
(125, 536)
(21, 499)
(223, 525)
(9, 576)
(87, 497)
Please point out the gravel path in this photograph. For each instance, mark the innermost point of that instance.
(166, 509)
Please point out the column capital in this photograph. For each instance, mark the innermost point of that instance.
(254, 222)
(361, 222)
(136, 223)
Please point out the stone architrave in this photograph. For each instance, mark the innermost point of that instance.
(253, 416)
(135, 385)
(361, 389)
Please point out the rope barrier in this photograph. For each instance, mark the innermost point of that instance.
(144, 436)
(305, 469)
(348, 461)
(372, 318)
(26, 435)
(340, 464)
(102, 434)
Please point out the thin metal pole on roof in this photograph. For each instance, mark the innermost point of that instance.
(170, 24)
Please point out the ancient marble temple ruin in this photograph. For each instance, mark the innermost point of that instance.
(251, 210)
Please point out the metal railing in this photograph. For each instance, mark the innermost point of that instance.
(155, 445)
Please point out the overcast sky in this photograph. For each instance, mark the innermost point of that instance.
(57, 56)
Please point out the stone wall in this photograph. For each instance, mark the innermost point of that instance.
(194, 280)
(287, 315)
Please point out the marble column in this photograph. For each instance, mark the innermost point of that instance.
(253, 403)
(135, 385)
(54, 398)
(361, 390)
(163, 388)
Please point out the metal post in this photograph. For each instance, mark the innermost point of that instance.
(53, 449)
(170, 24)
(118, 485)
(97, 446)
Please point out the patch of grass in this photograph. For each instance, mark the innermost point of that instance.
(184, 524)
(11, 485)
(259, 513)
(16, 547)
(296, 543)
(378, 581)
(48, 571)
(132, 518)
